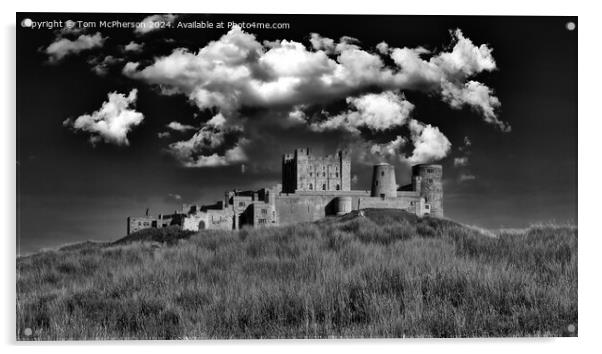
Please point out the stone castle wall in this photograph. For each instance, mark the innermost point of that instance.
(218, 219)
(308, 206)
(312, 206)
(312, 188)
(137, 223)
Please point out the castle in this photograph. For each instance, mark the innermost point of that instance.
(312, 188)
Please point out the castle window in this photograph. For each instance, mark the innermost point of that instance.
(429, 170)
(311, 186)
(324, 187)
(323, 174)
(382, 173)
(336, 174)
(264, 211)
(338, 187)
(376, 183)
(430, 180)
(311, 174)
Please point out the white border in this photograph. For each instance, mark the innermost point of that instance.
(589, 190)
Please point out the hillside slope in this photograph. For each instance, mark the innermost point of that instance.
(385, 274)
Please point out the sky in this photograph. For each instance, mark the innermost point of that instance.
(114, 120)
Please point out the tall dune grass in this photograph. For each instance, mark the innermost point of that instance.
(388, 274)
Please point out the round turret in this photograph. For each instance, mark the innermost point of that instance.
(383, 181)
(428, 181)
(343, 205)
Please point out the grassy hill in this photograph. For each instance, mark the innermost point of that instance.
(385, 274)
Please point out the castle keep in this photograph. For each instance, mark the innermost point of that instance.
(302, 171)
(312, 188)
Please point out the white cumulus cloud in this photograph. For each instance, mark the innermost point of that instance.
(133, 47)
(383, 48)
(186, 153)
(477, 96)
(200, 149)
(390, 149)
(63, 47)
(237, 71)
(321, 43)
(179, 127)
(217, 121)
(378, 112)
(112, 122)
(154, 23)
(465, 59)
(429, 143)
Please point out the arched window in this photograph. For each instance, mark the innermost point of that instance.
(338, 187)
(324, 187)
(337, 175)
(311, 186)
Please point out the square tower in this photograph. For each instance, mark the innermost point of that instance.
(303, 171)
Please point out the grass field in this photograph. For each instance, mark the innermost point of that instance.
(387, 274)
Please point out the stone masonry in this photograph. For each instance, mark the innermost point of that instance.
(313, 187)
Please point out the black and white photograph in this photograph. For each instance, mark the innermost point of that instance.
(224, 176)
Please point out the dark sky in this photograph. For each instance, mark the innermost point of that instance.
(70, 190)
